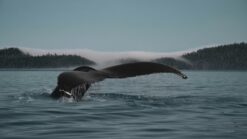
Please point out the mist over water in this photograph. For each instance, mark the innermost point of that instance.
(106, 57)
(207, 105)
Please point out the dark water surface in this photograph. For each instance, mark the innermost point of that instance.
(207, 105)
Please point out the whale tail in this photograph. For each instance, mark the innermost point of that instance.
(84, 68)
(139, 68)
(75, 83)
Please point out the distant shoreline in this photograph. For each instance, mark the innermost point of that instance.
(69, 69)
(229, 57)
(36, 69)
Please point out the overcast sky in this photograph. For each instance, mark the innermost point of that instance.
(122, 25)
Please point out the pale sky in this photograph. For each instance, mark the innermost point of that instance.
(122, 25)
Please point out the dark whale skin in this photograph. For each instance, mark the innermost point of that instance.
(75, 83)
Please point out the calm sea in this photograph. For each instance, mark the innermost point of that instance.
(207, 105)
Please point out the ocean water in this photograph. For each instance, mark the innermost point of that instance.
(206, 105)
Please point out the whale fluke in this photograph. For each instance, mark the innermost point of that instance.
(84, 68)
(75, 83)
(139, 68)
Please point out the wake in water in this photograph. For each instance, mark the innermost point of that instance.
(209, 105)
(131, 100)
(31, 96)
(44, 95)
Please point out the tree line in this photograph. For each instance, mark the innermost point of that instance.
(223, 57)
(15, 58)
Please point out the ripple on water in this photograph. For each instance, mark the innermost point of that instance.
(204, 106)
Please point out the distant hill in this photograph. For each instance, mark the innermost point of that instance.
(224, 57)
(15, 58)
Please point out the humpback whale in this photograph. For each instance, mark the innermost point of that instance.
(74, 84)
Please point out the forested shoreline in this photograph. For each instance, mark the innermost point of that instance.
(15, 58)
(223, 57)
